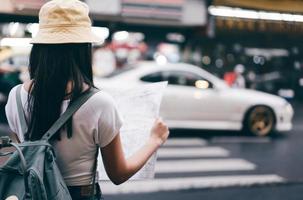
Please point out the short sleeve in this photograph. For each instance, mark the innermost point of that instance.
(109, 123)
(11, 113)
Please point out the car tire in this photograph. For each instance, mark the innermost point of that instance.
(259, 121)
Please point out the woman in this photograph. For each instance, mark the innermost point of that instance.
(60, 70)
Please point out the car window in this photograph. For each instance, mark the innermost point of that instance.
(179, 78)
(154, 77)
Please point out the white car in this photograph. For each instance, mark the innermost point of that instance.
(196, 99)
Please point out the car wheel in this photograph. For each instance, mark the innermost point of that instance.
(260, 121)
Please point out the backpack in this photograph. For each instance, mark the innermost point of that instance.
(31, 172)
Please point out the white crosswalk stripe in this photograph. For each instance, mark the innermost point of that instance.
(240, 140)
(203, 165)
(192, 152)
(188, 183)
(192, 155)
(185, 142)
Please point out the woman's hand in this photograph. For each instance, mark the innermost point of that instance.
(159, 132)
(118, 168)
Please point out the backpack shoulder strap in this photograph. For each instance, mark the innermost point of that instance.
(20, 108)
(94, 174)
(68, 113)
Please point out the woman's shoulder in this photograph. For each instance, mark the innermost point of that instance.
(102, 98)
(12, 93)
(11, 103)
(24, 87)
(100, 103)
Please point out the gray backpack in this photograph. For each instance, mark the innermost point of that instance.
(31, 172)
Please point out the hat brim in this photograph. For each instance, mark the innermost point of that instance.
(62, 35)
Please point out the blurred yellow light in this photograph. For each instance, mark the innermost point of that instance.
(5, 53)
(201, 84)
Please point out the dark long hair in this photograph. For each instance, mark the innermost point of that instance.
(51, 67)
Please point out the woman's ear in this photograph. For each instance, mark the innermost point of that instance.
(12, 198)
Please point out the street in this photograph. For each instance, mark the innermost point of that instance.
(220, 168)
(221, 165)
(193, 163)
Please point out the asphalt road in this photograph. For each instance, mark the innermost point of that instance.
(221, 165)
(268, 192)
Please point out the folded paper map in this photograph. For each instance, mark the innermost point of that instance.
(139, 108)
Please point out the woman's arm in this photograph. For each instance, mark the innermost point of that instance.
(15, 138)
(120, 169)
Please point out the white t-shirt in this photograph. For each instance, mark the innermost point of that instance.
(96, 122)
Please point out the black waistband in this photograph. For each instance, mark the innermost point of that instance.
(79, 192)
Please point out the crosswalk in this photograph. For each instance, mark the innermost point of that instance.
(190, 163)
(192, 152)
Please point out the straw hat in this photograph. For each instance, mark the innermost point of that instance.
(65, 21)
